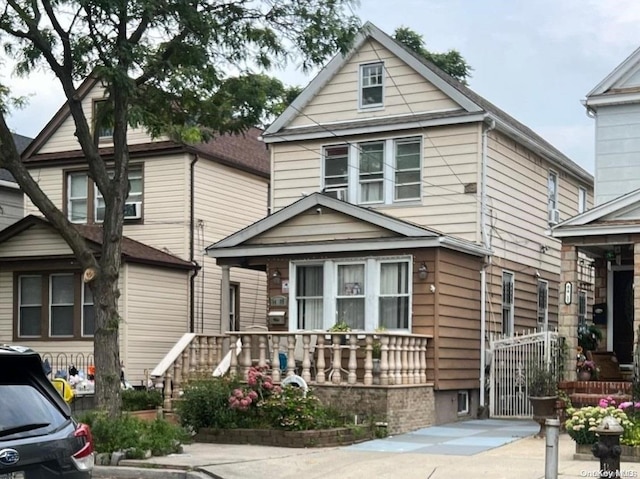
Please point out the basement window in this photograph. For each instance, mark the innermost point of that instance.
(463, 403)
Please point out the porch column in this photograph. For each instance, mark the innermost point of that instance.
(568, 313)
(225, 299)
(636, 293)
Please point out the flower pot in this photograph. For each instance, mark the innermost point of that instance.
(543, 408)
(584, 375)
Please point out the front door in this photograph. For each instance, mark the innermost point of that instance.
(622, 310)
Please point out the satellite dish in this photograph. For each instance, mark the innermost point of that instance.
(296, 381)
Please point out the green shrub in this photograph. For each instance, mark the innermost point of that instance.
(205, 403)
(134, 435)
(140, 400)
(582, 422)
(290, 409)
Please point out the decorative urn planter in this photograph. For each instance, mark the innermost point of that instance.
(543, 408)
(584, 375)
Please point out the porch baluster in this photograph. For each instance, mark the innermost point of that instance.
(320, 363)
(262, 346)
(392, 360)
(275, 360)
(384, 360)
(405, 361)
(177, 382)
(352, 377)
(233, 345)
(291, 355)
(368, 361)
(193, 357)
(245, 356)
(410, 364)
(306, 362)
(204, 351)
(398, 371)
(212, 353)
(336, 364)
(416, 361)
(184, 364)
(167, 390)
(423, 360)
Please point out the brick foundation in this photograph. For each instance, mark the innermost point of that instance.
(403, 408)
(280, 438)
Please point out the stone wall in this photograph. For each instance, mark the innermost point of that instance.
(280, 438)
(403, 408)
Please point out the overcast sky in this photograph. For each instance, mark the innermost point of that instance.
(536, 60)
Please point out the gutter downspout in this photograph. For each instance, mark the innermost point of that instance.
(192, 224)
(483, 271)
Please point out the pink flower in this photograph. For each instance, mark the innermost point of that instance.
(238, 393)
(253, 394)
(603, 403)
(625, 405)
(252, 381)
(245, 402)
(268, 385)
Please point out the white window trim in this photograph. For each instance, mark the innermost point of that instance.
(545, 323)
(375, 106)
(330, 285)
(511, 326)
(83, 304)
(582, 199)
(20, 304)
(465, 411)
(389, 169)
(71, 198)
(72, 304)
(555, 195)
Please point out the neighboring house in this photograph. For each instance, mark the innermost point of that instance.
(11, 197)
(398, 196)
(609, 234)
(182, 198)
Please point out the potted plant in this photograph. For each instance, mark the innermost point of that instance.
(542, 388)
(340, 327)
(589, 337)
(585, 368)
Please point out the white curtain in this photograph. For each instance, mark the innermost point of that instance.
(351, 293)
(309, 296)
(394, 295)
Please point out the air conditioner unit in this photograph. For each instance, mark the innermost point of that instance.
(554, 216)
(338, 193)
(133, 210)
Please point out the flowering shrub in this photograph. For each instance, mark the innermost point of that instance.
(290, 409)
(259, 387)
(582, 422)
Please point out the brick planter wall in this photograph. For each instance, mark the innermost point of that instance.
(404, 408)
(279, 438)
(629, 453)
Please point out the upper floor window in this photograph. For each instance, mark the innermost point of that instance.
(102, 121)
(53, 306)
(371, 85)
(85, 203)
(553, 190)
(377, 172)
(582, 200)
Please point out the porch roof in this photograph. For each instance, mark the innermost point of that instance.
(618, 216)
(406, 235)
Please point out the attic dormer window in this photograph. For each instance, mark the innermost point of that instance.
(103, 121)
(371, 85)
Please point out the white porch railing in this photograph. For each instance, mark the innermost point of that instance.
(321, 358)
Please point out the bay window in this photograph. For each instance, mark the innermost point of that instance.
(366, 293)
(53, 306)
(375, 172)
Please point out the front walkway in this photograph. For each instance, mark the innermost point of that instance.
(464, 438)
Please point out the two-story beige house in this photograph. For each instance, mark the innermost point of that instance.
(182, 198)
(403, 200)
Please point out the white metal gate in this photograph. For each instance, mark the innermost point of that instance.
(510, 359)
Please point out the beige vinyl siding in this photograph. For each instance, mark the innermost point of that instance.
(517, 190)
(451, 160)
(405, 91)
(39, 240)
(63, 139)
(165, 205)
(11, 206)
(51, 181)
(226, 200)
(157, 315)
(320, 226)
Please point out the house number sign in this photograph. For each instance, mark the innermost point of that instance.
(568, 292)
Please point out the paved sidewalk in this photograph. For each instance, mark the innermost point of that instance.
(521, 459)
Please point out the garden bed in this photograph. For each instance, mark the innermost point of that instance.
(280, 438)
(629, 453)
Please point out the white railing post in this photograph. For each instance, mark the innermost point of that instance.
(233, 345)
(320, 362)
(352, 377)
(336, 365)
(306, 360)
(291, 355)
(275, 362)
(368, 361)
(384, 360)
(410, 363)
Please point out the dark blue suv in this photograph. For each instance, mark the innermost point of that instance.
(38, 437)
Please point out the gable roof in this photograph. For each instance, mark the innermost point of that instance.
(595, 221)
(628, 66)
(244, 151)
(400, 227)
(470, 101)
(21, 143)
(132, 251)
